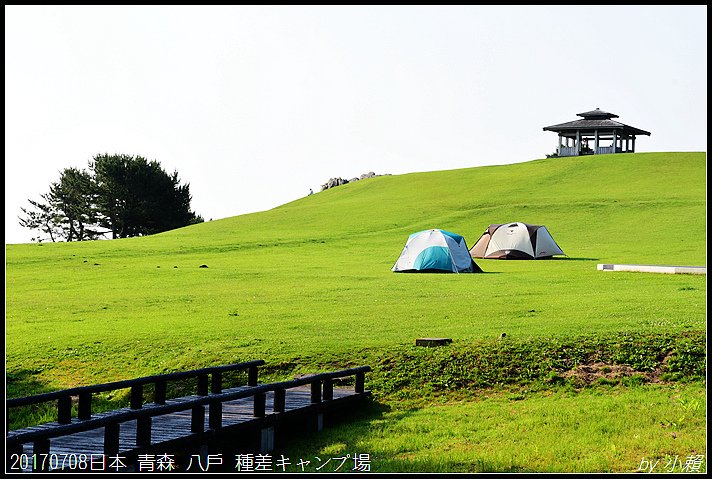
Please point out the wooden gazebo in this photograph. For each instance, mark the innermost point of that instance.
(585, 137)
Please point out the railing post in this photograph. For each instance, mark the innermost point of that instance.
(328, 389)
(252, 376)
(84, 408)
(279, 400)
(259, 407)
(64, 410)
(111, 439)
(39, 447)
(197, 419)
(143, 431)
(216, 383)
(267, 439)
(137, 396)
(13, 449)
(316, 391)
(203, 385)
(215, 415)
(159, 393)
(359, 386)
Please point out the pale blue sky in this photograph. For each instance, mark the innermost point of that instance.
(253, 106)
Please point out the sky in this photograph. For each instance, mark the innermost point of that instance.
(253, 106)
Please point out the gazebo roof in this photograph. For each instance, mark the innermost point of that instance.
(596, 120)
(597, 114)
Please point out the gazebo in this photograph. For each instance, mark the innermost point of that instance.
(584, 137)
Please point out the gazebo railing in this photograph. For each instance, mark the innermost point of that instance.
(568, 151)
(607, 150)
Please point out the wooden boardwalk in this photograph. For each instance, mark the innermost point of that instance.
(257, 419)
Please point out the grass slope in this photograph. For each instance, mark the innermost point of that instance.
(308, 286)
(313, 276)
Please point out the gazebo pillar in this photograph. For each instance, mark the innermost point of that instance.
(633, 151)
(595, 142)
(615, 140)
(559, 150)
(578, 142)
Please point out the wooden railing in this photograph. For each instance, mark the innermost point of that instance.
(568, 151)
(321, 386)
(606, 150)
(601, 150)
(206, 376)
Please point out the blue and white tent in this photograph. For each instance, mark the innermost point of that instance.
(436, 250)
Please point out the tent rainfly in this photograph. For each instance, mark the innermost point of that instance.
(515, 241)
(435, 251)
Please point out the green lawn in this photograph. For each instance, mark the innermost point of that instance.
(307, 286)
(612, 429)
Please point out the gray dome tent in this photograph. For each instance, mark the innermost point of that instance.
(515, 241)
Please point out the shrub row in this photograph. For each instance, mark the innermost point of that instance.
(507, 361)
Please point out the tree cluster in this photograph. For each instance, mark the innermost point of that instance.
(120, 195)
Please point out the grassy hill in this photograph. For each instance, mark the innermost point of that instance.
(308, 285)
(313, 276)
